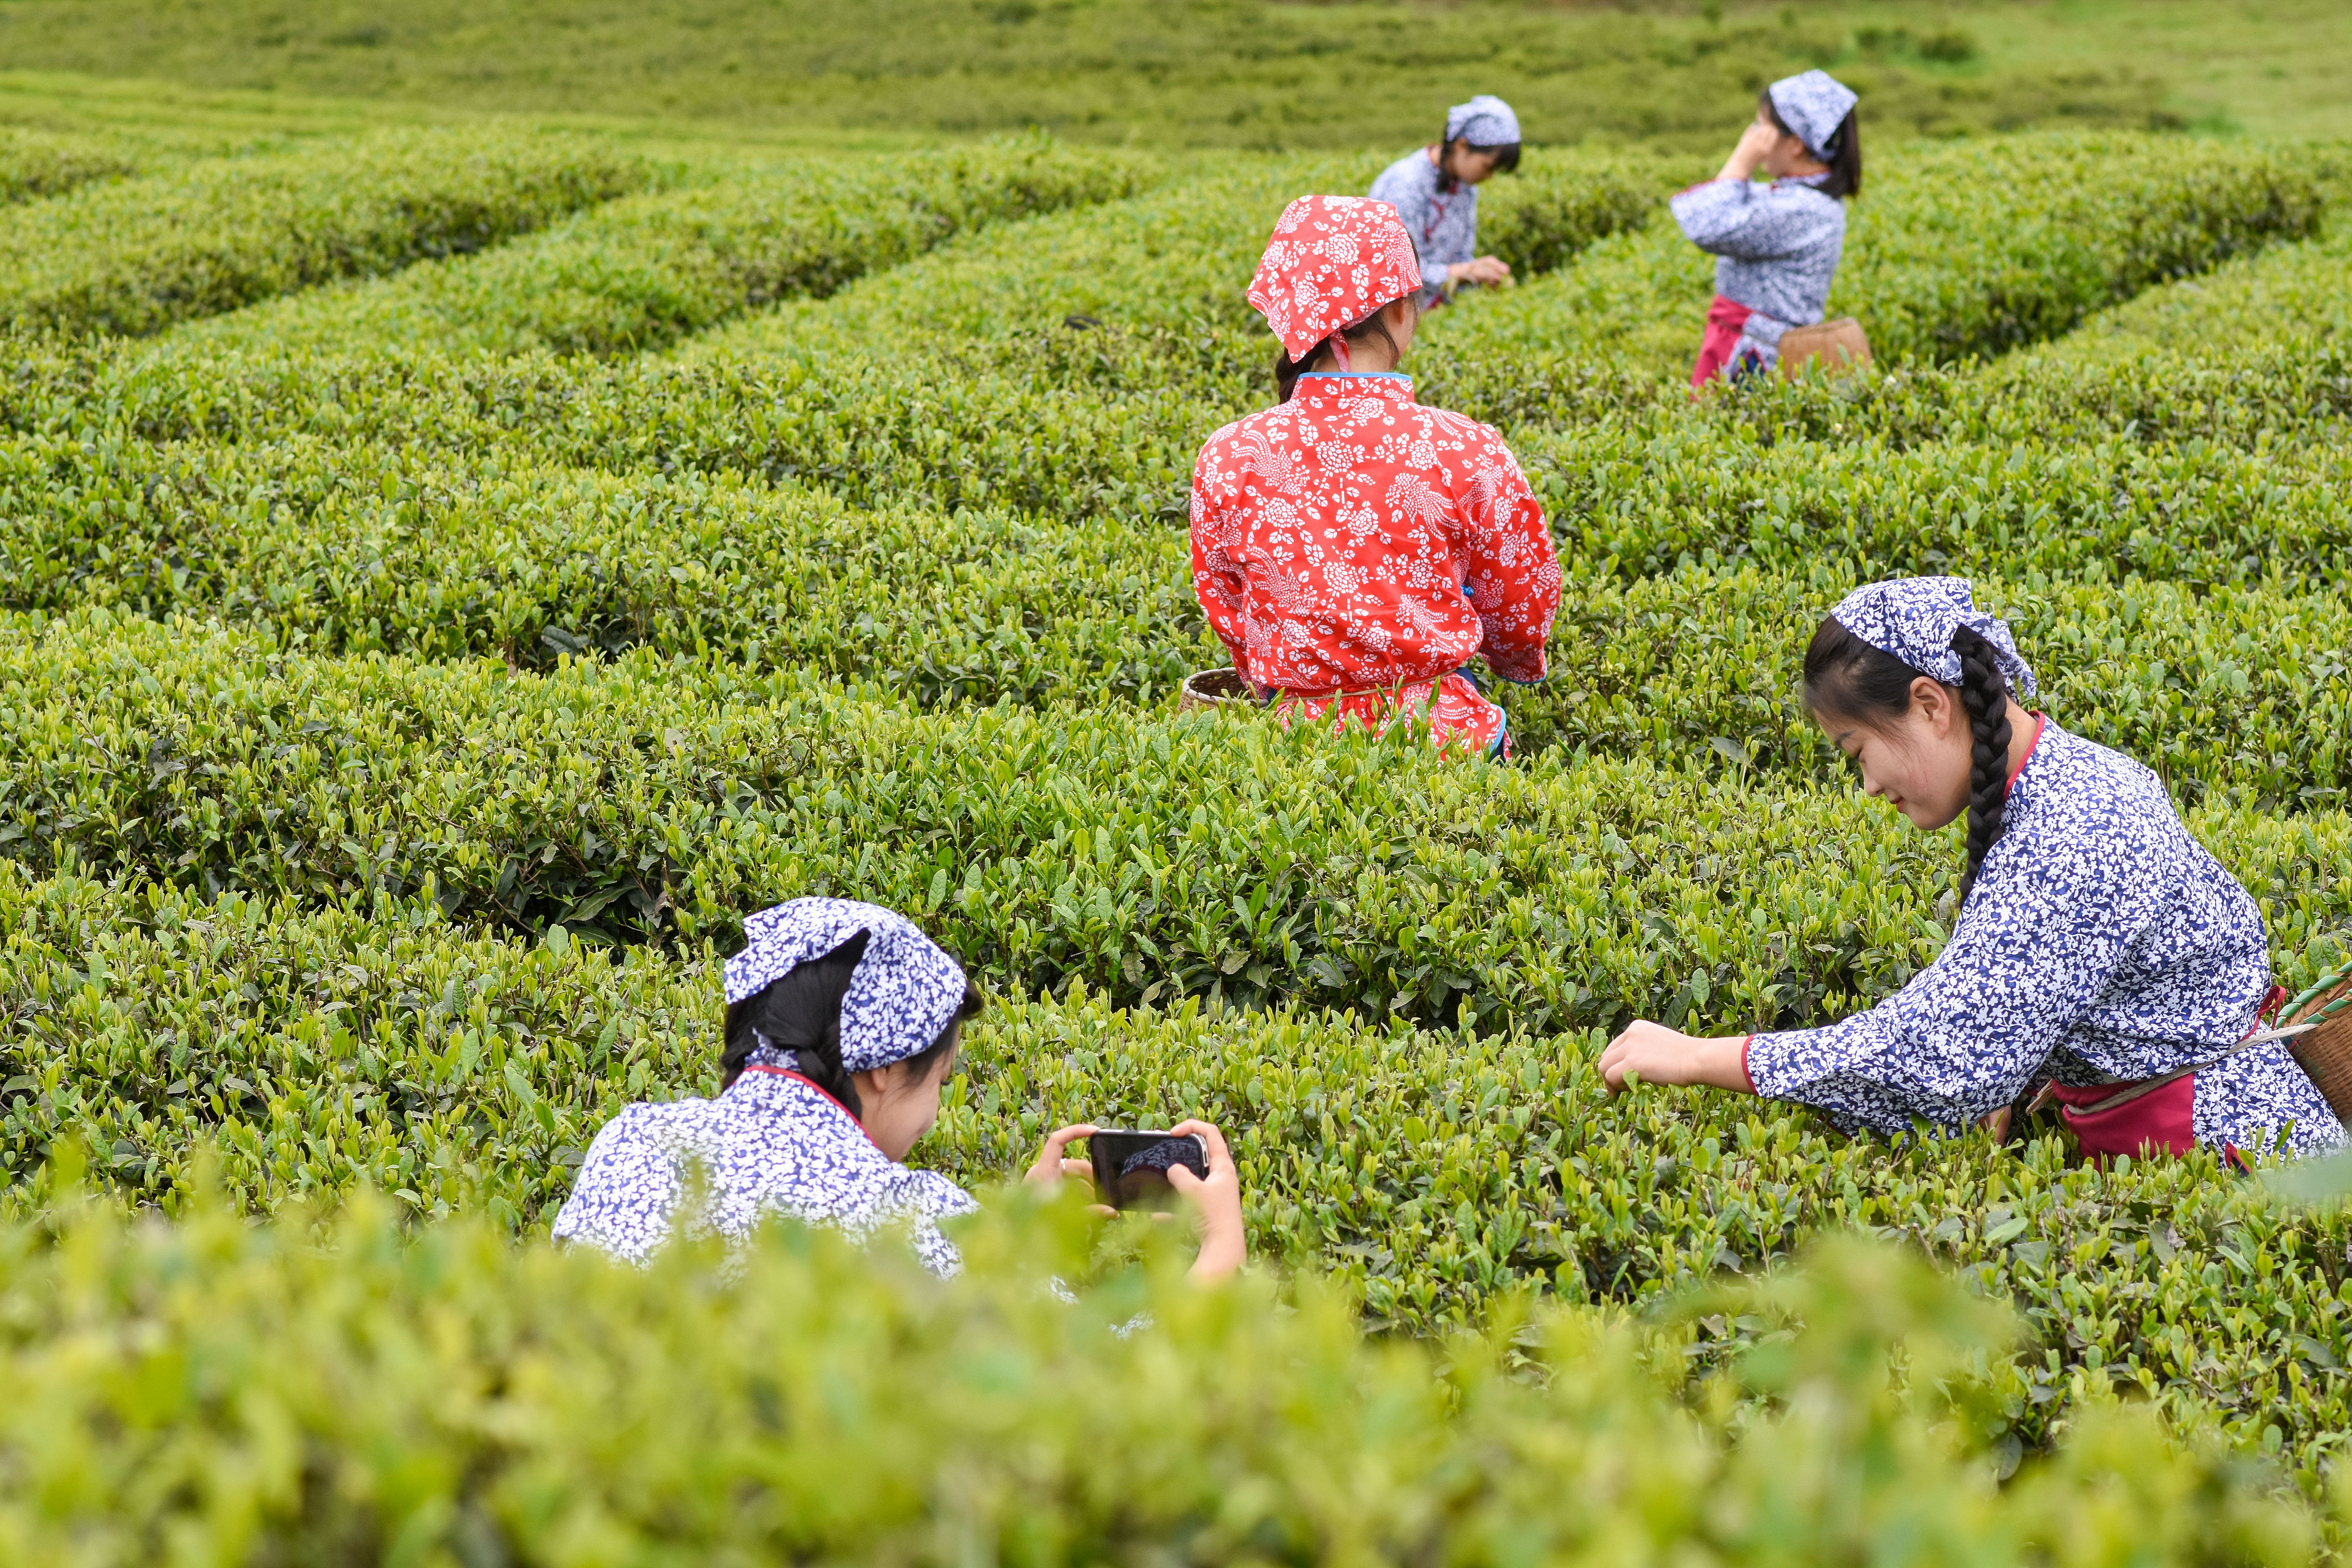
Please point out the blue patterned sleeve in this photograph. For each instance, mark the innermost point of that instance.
(626, 1192)
(1742, 219)
(2036, 948)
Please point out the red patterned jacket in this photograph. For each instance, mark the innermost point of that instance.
(1354, 550)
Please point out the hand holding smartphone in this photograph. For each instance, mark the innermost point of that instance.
(1186, 1166)
(1130, 1169)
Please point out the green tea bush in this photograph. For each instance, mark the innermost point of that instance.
(352, 549)
(1180, 257)
(1970, 250)
(1152, 857)
(2017, 242)
(35, 163)
(2293, 295)
(1647, 498)
(640, 272)
(249, 1395)
(392, 739)
(133, 257)
(1432, 1175)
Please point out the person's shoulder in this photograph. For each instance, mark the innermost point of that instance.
(2078, 791)
(1462, 428)
(1238, 430)
(645, 1119)
(1409, 174)
(1811, 197)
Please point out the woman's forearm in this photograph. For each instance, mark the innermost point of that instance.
(1655, 1055)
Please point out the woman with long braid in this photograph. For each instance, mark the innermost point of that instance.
(2101, 957)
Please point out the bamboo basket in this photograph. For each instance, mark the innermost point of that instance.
(1215, 689)
(2326, 1052)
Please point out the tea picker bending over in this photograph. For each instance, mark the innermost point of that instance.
(1779, 244)
(2099, 951)
(1435, 192)
(843, 1022)
(1352, 549)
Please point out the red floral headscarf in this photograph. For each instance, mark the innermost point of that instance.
(1333, 260)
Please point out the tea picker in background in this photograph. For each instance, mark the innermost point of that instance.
(2099, 951)
(1780, 243)
(1435, 192)
(843, 1022)
(1352, 549)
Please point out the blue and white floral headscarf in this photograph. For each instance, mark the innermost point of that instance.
(1813, 104)
(901, 997)
(1914, 617)
(1486, 121)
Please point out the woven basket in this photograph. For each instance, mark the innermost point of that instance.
(1835, 346)
(2326, 1052)
(1213, 689)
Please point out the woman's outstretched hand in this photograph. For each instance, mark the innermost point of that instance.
(1217, 1201)
(1489, 270)
(1657, 1054)
(1053, 1167)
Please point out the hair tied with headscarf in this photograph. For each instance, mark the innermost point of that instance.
(1332, 261)
(1485, 122)
(1813, 104)
(1913, 619)
(902, 996)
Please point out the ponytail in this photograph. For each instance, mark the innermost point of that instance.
(1846, 159)
(798, 1018)
(1984, 694)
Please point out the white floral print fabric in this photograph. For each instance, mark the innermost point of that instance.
(1352, 541)
(1332, 261)
(1813, 104)
(1913, 619)
(773, 1145)
(1779, 246)
(902, 995)
(1439, 215)
(2103, 944)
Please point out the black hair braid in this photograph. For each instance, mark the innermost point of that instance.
(1984, 693)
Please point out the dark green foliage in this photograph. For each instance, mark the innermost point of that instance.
(35, 163)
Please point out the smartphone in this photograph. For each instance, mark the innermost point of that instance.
(1131, 1168)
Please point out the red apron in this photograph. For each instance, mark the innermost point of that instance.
(2159, 1121)
(1725, 317)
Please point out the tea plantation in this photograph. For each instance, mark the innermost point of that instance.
(449, 577)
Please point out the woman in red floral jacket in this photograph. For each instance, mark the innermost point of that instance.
(1354, 550)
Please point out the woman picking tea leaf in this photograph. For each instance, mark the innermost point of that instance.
(2099, 951)
(1778, 242)
(1352, 549)
(1435, 192)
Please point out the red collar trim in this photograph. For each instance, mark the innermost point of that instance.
(2041, 729)
(801, 1078)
